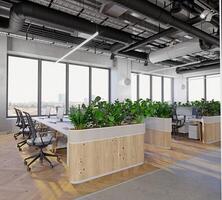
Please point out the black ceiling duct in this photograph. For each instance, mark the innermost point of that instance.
(205, 65)
(151, 10)
(27, 10)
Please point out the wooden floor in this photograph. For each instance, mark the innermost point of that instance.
(52, 184)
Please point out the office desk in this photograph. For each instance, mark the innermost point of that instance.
(53, 123)
(92, 153)
(210, 128)
(61, 129)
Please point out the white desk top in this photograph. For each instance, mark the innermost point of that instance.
(62, 127)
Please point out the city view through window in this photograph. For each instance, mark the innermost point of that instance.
(26, 93)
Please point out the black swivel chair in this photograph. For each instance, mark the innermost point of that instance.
(18, 124)
(177, 122)
(24, 130)
(39, 140)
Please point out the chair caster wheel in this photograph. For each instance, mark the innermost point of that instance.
(25, 162)
(58, 159)
(52, 166)
(15, 138)
(19, 149)
(28, 169)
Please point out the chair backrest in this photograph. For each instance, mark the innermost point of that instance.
(31, 125)
(18, 120)
(33, 132)
(174, 113)
(22, 119)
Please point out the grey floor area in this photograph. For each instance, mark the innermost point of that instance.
(194, 179)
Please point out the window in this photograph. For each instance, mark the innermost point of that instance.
(22, 85)
(213, 87)
(78, 85)
(133, 86)
(144, 86)
(156, 88)
(53, 85)
(196, 88)
(167, 90)
(100, 83)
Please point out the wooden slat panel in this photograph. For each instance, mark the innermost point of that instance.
(157, 138)
(211, 132)
(92, 159)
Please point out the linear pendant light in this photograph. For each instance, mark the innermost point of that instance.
(77, 47)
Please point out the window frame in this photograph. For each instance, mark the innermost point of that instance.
(205, 83)
(151, 83)
(138, 83)
(90, 82)
(40, 87)
(7, 82)
(39, 84)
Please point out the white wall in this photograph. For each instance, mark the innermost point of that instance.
(5, 124)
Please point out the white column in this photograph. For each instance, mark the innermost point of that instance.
(120, 70)
(4, 123)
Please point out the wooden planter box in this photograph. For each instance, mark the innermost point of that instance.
(158, 132)
(101, 151)
(211, 129)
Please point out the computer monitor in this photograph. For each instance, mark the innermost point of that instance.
(196, 112)
(47, 111)
(60, 113)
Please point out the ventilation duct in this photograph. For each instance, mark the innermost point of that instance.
(112, 9)
(178, 50)
(202, 66)
(151, 10)
(35, 12)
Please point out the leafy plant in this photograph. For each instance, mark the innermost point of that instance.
(207, 108)
(78, 117)
(103, 114)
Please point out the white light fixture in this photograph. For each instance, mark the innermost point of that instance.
(204, 14)
(77, 47)
(207, 15)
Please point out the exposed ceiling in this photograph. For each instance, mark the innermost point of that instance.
(125, 21)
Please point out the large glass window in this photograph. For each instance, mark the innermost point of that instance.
(53, 85)
(213, 87)
(22, 84)
(133, 86)
(144, 86)
(78, 85)
(100, 83)
(196, 88)
(156, 88)
(167, 90)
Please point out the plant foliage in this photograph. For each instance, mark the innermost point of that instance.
(104, 114)
(206, 108)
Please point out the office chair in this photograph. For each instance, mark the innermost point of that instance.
(39, 140)
(176, 122)
(24, 130)
(18, 124)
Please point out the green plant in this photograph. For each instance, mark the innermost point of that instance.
(103, 114)
(207, 108)
(78, 117)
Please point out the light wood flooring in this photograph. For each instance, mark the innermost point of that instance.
(52, 184)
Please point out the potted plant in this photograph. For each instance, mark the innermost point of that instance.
(107, 137)
(210, 112)
(158, 123)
